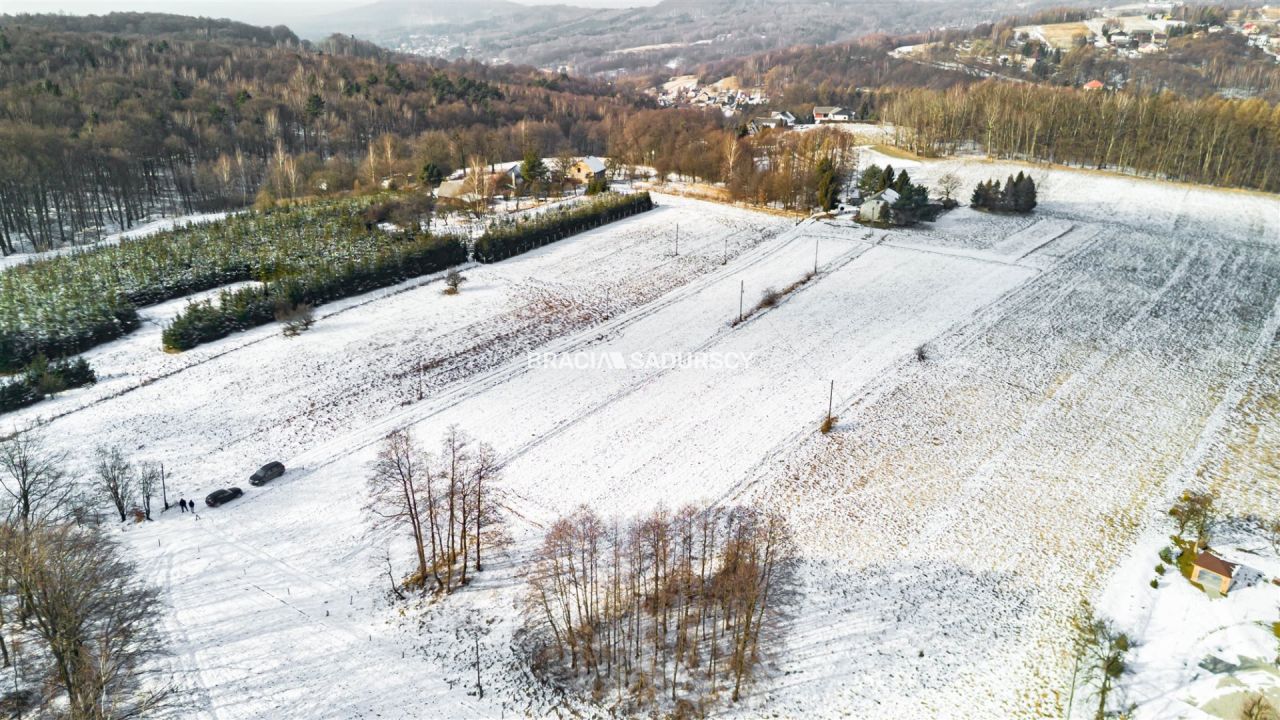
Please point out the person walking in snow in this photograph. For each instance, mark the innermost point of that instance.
(182, 504)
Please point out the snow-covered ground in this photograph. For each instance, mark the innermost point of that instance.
(1081, 366)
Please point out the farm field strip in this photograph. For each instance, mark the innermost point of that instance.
(1068, 410)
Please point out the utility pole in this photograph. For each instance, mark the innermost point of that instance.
(741, 292)
(164, 493)
(815, 255)
(725, 261)
(831, 396)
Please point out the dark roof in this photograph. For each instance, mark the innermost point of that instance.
(1213, 563)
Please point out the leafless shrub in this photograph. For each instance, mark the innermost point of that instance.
(768, 299)
(297, 319)
(453, 281)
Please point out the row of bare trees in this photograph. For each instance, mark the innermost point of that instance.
(1232, 143)
(665, 611)
(125, 486)
(77, 626)
(444, 501)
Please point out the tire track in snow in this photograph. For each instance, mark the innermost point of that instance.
(161, 566)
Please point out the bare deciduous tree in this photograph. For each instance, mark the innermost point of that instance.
(395, 494)
(114, 478)
(445, 500)
(654, 604)
(34, 480)
(148, 484)
(94, 623)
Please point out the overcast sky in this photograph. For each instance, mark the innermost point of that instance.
(272, 12)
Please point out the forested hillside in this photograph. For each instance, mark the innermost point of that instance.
(1232, 143)
(1175, 115)
(105, 121)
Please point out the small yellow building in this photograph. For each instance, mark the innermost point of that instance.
(1211, 571)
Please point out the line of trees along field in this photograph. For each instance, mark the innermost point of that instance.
(100, 129)
(668, 611)
(1232, 143)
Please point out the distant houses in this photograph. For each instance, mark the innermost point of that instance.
(760, 124)
(774, 121)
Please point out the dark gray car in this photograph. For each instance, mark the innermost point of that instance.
(267, 473)
(225, 495)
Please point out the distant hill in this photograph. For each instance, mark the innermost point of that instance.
(155, 25)
(672, 35)
(378, 16)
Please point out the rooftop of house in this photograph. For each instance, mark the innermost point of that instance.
(888, 195)
(594, 164)
(1215, 564)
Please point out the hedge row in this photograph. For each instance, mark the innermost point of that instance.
(502, 241)
(238, 310)
(43, 378)
(20, 348)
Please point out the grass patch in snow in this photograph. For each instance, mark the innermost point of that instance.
(771, 298)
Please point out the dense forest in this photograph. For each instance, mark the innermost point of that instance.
(105, 121)
(1233, 143)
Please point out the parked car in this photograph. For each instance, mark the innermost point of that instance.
(267, 473)
(225, 495)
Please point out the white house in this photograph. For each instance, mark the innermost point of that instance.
(876, 207)
(831, 113)
(784, 117)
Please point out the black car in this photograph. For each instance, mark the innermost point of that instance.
(219, 497)
(267, 473)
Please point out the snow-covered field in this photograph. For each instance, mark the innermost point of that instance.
(1082, 366)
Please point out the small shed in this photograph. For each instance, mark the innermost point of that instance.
(1210, 571)
(587, 169)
